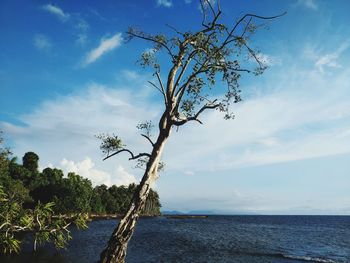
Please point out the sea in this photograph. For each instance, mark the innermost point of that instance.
(248, 238)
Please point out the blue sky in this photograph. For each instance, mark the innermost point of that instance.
(66, 75)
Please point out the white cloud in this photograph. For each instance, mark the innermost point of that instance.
(165, 3)
(268, 142)
(42, 42)
(311, 4)
(331, 59)
(268, 60)
(277, 127)
(106, 45)
(65, 128)
(123, 177)
(86, 168)
(307, 115)
(292, 124)
(328, 60)
(57, 11)
(130, 74)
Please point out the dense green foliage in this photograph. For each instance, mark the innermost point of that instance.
(46, 203)
(115, 200)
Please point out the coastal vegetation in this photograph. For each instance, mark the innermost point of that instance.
(46, 203)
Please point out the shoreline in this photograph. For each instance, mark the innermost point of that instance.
(115, 216)
(199, 216)
(168, 216)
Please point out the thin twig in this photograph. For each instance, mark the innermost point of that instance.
(148, 138)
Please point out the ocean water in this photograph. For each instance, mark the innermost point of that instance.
(214, 239)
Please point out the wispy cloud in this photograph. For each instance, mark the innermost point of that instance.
(205, 5)
(57, 11)
(331, 59)
(82, 38)
(207, 2)
(325, 60)
(82, 24)
(267, 59)
(75, 19)
(106, 45)
(42, 42)
(311, 4)
(165, 3)
(82, 27)
(97, 14)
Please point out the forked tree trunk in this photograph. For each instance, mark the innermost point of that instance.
(115, 252)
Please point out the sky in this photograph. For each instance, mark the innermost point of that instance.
(67, 74)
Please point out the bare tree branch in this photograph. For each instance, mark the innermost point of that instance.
(204, 14)
(253, 54)
(140, 155)
(154, 85)
(246, 27)
(228, 40)
(238, 69)
(182, 89)
(183, 70)
(150, 38)
(173, 28)
(133, 157)
(162, 88)
(148, 138)
(216, 14)
(207, 106)
(253, 15)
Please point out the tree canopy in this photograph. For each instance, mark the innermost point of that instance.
(196, 61)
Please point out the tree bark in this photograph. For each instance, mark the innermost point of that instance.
(115, 252)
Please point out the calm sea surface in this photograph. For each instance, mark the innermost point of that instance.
(214, 239)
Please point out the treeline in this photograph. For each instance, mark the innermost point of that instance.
(70, 194)
(45, 204)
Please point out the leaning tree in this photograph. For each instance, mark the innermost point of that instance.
(215, 53)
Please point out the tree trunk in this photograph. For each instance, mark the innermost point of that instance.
(115, 251)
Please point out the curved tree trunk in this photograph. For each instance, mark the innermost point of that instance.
(115, 251)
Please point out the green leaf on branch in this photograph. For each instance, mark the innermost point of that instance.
(110, 143)
(146, 126)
